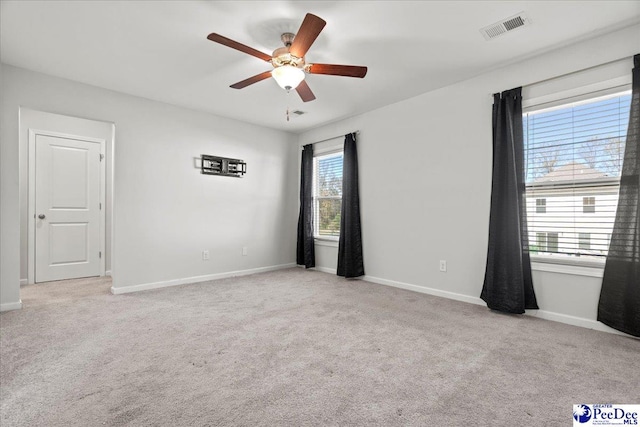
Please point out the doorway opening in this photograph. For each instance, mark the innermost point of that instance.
(66, 231)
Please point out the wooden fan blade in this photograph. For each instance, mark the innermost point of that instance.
(307, 34)
(238, 46)
(251, 80)
(338, 70)
(305, 92)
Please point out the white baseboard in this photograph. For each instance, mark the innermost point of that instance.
(197, 279)
(575, 321)
(107, 273)
(542, 314)
(425, 290)
(23, 282)
(325, 270)
(11, 306)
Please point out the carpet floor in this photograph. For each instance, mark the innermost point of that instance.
(295, 348)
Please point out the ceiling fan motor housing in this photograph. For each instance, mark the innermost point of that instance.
(281, 56)
(287, 39)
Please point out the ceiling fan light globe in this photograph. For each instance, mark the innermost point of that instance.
(288, 77)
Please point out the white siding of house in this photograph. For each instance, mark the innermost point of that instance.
(565, 215)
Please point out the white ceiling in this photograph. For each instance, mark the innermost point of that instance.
(158, 49)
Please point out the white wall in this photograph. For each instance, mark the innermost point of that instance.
(425, 182)
(165, 211)
(9, 204)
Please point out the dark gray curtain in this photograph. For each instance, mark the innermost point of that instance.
(350, 263)
(508, 285)
(619, 305)
(306, 250)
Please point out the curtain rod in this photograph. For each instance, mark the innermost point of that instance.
(576, 72)
(357, 132)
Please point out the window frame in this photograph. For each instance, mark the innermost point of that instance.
(573, 265)
(323, 240)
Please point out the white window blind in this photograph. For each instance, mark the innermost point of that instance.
(573, 160)
(327, 191)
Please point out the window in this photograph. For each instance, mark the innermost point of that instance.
(545, 243)
(573, 156)
(327, 194)
(588, 205)
(584, 241)
(552, 242)
(541, 243)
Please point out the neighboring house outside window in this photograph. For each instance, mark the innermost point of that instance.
(573, 158)
(327, 194)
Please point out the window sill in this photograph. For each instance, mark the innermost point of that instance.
(326, 241)
(574, 267)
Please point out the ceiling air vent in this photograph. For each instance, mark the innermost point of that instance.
(499, 28)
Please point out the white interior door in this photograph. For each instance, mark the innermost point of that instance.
(67, 208)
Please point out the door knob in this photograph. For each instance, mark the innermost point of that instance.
(41, 216)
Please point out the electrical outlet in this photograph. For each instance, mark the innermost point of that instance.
(245, 251)
(443, 265)
(205, 255)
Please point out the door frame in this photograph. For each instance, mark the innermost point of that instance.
(31, 210)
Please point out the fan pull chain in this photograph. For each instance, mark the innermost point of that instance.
(288, 105)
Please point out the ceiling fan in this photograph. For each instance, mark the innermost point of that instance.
(289, 66)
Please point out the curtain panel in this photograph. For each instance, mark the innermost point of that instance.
(508, 285)
(350, 261)
(619, 305)
(306, 249)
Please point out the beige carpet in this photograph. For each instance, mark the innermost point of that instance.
(296, 348)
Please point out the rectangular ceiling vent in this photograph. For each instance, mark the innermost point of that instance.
(506, 25)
